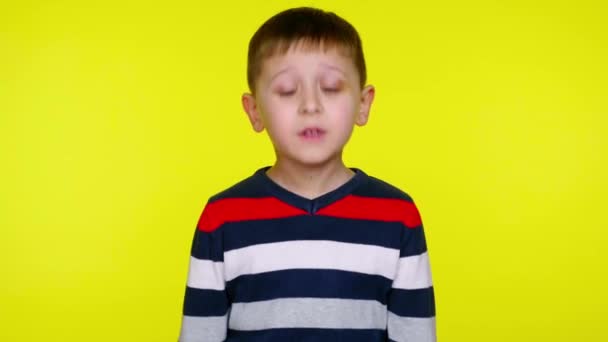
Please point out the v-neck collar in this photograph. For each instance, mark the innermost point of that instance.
(311, 206)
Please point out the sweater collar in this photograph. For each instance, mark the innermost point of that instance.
(310, 205)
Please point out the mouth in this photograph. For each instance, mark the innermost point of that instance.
(312, 133)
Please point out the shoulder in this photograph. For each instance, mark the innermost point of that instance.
(375, 187)
(250, 187)
(378, 199)
(237, 202)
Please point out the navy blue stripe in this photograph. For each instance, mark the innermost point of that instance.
(374, 187)
(247, 233)
(311, 206)
(414, 242)
(250, 187)
(199, 302)
(234, 235)
(412, 303)
(208, 246)
(307, 335)
(308, 283)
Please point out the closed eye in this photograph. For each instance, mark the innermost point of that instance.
(286, 93)
(331, 90)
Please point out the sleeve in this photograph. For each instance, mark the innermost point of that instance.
(411, 302)
(206, 304)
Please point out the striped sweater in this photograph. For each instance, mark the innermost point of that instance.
(269, 265)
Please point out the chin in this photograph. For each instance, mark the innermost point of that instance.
(315, 160)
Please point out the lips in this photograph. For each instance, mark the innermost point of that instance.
(312, 133)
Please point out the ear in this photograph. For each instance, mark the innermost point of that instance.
(251, 109)
(367, 97)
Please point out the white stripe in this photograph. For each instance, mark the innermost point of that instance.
(206, 274)
(325, 313)
(208, 329)
(414, 272)
(311, 254)
(411, 329)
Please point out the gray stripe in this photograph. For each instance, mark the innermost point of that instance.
(411, 329)
(207, 329)
(308, 313)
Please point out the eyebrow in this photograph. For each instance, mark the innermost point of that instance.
(328, 66)
(279, 73)
(324, 65)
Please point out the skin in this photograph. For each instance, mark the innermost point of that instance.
(308, 101)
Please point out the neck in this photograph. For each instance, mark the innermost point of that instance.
(309, 181)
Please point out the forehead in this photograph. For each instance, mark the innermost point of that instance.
(305, 56)
(281, 46)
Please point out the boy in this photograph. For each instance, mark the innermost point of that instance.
(308, 249)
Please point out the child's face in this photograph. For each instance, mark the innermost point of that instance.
(308, 101)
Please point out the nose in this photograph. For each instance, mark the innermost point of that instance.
(309, 102)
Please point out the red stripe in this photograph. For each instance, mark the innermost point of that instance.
(372, 208)
(241, 209)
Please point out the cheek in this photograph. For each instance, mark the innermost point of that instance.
(275, 110)
(344, 109)
(279, 118)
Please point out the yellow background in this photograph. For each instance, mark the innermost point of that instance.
(118, 119)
